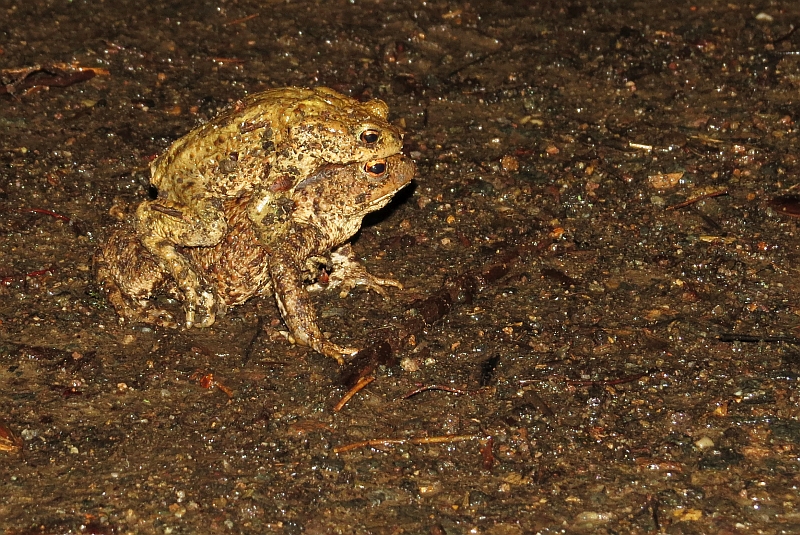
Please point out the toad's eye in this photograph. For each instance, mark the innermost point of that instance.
(370, 136)
(375, 168)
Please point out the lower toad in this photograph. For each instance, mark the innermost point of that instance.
(325, 211)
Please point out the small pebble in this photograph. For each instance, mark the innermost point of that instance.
(704, 443)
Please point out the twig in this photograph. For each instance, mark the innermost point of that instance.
(243, 19)
(57, 75)
(443, 439)
(226, 61)
(252, 344)
(699, 198)
(792, 29)
(786, 205)
(476, 61)
(9, 442)
(362, 382)
(46, 212)
(653, 504)
(442, 388)
(612, 382)
(6, 281)
(640, 146)
(750, 338)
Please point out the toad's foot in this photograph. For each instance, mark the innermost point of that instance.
(348, 273)
(337, 352)
(318, 343)
(201, 302)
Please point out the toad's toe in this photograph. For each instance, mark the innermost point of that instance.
(337, 352)
(202, 306)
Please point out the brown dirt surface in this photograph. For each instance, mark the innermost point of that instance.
(634, 372)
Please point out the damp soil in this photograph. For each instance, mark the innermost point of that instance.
(635, 370)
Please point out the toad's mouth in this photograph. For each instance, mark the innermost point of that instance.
(380, 201)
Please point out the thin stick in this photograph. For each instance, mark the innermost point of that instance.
(243, 19)
(443, 439)
(249, 349)
(612, 382)
(792, 29)
(438, 387)
(46, 212)
(736, 337)
(698, 199)
(360, 384)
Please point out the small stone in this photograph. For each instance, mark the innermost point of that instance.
(704, 443)
(509, 163)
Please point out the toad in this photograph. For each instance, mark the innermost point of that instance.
(261, 147)
(327, 209)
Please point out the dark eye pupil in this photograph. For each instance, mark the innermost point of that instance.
(369, 136)
(375, 168)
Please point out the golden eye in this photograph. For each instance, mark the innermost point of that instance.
(370, 136)
(375, 168)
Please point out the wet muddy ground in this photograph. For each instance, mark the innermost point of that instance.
(635, 370)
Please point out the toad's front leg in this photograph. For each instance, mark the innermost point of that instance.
(295, 304)
(347, 273)
(162, 225)
(129, 275)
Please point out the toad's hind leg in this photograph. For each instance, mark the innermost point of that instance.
(299, 313)
(294, 302)
(162, 226)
